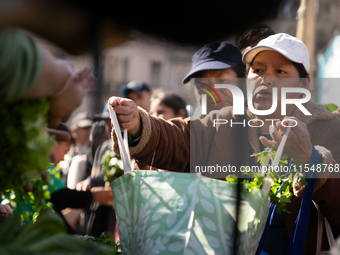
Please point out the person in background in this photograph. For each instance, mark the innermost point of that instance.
(80, 155)
(139, 92)
(216, 60)
(98, 218)
(64, 197)
(80, 129)
(167, 105)
(251, 37)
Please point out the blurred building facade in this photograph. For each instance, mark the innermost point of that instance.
(163, 64)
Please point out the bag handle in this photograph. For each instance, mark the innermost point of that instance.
(268, 181)
(122, 142)
(329, 233)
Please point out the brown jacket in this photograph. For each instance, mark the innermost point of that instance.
(166, 145)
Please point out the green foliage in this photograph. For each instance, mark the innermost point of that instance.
(112, 166)
(331, 107)
(46, 236)
(281, 189)
(29, 203)
(24, 142)
(103, 240)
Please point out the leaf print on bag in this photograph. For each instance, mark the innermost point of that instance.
(123, 231)
(175, 247)
(209, 223)
(159, 214)
(191, 188)
(145, 192)
(154, 182)
(120, 211)
(207, 206)
(170, 194)
(190, 252)
(171, 219)
(204, 191)
(213, 242)
(227, 193)
(169, 180)
(182, 203)
(129, 188)
(151, 230)
(117, 194)
(154, 200)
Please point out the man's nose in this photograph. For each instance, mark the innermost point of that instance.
(267, 80)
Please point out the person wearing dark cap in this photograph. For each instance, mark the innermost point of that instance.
(218, 60)
(139, 92)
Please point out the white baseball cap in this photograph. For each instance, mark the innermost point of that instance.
(288, 46)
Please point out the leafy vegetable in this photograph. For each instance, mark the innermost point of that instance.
(281, 189)
(46, 236)
(103, 240)
(112, 166)
(29, 203)
(24, 142)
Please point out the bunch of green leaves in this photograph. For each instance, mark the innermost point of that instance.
(281, 189)
(103, 240)
(47, 235)
(24, 142)
(29, 203)
(112, 166)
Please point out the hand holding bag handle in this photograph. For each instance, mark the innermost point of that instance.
(122, 142)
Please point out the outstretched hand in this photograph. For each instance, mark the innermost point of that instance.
(71, 96)
(298, 145)
(127, 115)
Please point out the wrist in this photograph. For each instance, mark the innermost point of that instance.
(137, 132)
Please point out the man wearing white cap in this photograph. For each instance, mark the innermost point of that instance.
(279, 61)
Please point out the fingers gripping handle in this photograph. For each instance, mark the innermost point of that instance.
(122, 142)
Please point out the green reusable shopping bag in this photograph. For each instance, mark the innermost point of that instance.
(176, 213)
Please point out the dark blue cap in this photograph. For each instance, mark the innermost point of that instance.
(214, 56)
(135, 86)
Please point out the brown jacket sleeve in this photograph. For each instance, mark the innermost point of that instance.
(166, 144)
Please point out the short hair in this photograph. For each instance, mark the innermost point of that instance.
(301, 69)
(253, 35)
(170, 99)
